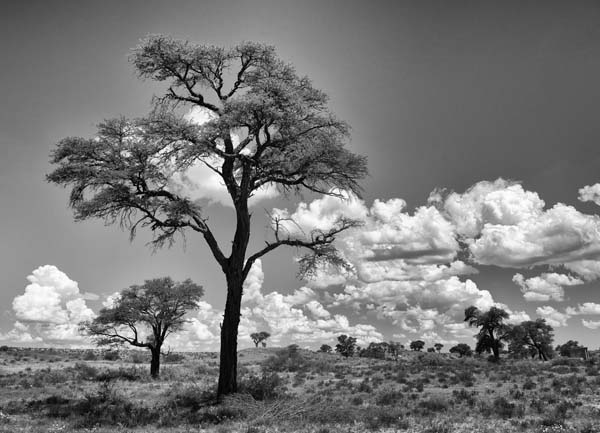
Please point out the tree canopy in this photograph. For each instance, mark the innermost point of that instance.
(267, 126)
(346, 346)
(260, 337)
(493, 329)
(533, 337)
(145, 315)
(417, 345)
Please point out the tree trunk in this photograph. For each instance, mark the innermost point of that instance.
(256, 344)
(229, 333)
(155, 363)
(496, 350)
(234, 272)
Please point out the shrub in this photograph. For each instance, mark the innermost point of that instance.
(505, 409)
(434, 404)
(131, 374)
(85, 371)
(529, 384)
(264, 387)
(90, 355)
(111, 355)
(387, 396)
(173, 358)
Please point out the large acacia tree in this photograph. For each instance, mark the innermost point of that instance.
(269, 127)
(145, 315)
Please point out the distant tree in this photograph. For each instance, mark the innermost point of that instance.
(394, 349)
(417, 345)
(260, 337)
(438, 346)
(461, 349)
(267, 126)
(431, 350)
(374, 350)
(346, 346)
(492, 331)
(325, 348)
(156, 308)
(532, 337)
(566, 348)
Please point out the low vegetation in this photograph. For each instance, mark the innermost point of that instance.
(293, 389)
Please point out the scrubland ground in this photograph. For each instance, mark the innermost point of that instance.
(293, 390)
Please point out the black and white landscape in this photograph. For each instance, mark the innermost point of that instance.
(281, 216)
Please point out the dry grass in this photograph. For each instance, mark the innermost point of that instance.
(296, 390)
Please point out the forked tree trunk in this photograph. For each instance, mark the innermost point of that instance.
(155, 363)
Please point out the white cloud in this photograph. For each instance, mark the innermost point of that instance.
(51, 297)
(553, 317)
(20, 334)
(498, 203)
(590, 308)
(590, 193)
(51, 307)
(591, 324)
(547, 286)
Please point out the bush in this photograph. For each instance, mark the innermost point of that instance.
(131, 374)
(111, 355)
(265, 387)
(85, 371)
(139, 357)
(173, 358)
(90, 355)
(387, 397)
(434, 404)
(505, 409)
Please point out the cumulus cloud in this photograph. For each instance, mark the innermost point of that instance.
(553, 317)
(51, 307)
(20, 334)
(297, 317)
(505, 225)
(500, 202)
(591, 324)
(590, 193)
(545, 287)
(590, 308)
(51, 297)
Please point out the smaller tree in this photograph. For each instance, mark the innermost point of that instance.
(374, 350)
(260, 337)
(493, 330)
(325, 348)
(532, 337)
(438, 347)
(462, 349)
(417, 345)
(346, 346)
(394, 349)
(143, 316)
(568, 347)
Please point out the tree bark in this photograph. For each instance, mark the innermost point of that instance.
(155, 363)
(229, 333)
(234, 272)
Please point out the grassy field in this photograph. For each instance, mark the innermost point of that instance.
(288, 390)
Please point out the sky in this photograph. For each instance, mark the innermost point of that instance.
(478, 119)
